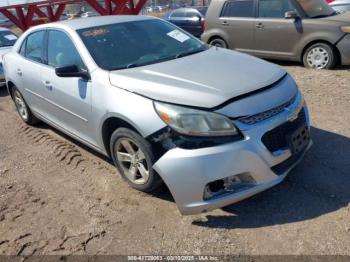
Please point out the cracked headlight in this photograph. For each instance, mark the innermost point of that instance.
(194, 122)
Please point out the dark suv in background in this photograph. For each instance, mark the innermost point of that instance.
(189, 19)
(309, 31)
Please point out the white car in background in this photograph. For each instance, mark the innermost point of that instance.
(7, 40)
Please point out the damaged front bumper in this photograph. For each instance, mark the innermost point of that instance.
(189, 173)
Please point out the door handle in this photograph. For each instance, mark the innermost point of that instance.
(224, 23)
(47, 84)
(19, 72)
(260, 26)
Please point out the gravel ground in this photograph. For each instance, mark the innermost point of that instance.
(59, 197)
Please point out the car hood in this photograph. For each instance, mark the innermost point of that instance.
(206, 79)
(344, 17)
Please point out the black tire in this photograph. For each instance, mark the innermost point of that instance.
(323, 63)
(218, 42)
(138, 142)
(28, 117)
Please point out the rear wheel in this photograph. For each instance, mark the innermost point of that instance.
(218, 42)
(23, 109)
(319, 56)
(133, 157)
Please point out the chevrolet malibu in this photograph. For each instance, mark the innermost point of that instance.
(216, 126)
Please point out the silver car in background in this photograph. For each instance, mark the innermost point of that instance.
(216, 126)
(341, 6)
(7, 40)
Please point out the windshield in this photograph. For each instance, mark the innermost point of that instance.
(137, 43)
(7, 38)
(316, 8)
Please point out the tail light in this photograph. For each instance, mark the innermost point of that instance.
(203, 24)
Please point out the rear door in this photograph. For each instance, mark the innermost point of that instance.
(30, 67)
(276, 36)
(237, 20)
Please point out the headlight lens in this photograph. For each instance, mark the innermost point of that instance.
(193, 122)
(345, 29)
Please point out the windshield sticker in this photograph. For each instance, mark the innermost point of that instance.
(96, 32)
(179, 36)
(10, 37)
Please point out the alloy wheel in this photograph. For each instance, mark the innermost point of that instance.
(21, 105)
(318, 58)
(132, 160)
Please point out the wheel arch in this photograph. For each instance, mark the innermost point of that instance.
(109, 125)
(10, 85)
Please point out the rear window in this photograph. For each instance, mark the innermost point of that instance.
(178, 13)
(192, 14)
(238, 8)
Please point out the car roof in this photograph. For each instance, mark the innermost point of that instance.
(81, 23)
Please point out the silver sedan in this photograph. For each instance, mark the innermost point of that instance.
(216, 126)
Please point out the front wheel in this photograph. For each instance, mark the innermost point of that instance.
(319, 56)
(218, 42)
(133, 157)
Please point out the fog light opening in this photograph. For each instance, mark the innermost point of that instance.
(228, 185)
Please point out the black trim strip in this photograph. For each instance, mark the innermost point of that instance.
(236, 98)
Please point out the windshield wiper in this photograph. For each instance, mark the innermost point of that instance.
(190, 52)
(132, 65)
(161, 59)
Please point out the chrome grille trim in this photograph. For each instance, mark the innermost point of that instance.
(253, 119)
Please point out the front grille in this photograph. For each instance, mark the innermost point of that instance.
(276, 138)
(251, 120)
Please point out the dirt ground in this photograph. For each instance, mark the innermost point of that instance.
(59, 197)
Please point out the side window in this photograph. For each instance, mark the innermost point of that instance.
(238, 8)
(274, 8)
(35, 46)
(61, 51)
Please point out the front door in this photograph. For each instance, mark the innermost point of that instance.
(275, 35)
(69, 98)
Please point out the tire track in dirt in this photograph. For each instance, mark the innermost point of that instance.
(61, 150)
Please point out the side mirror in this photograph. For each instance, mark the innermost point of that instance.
(291, 15)
(72, 71)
